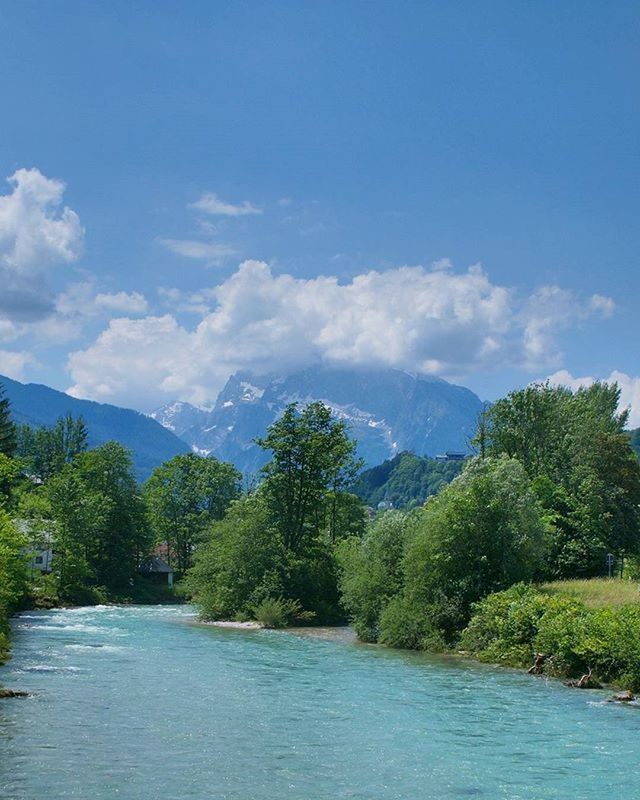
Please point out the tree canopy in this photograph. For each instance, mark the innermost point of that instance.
(183, 496)
(574, 448)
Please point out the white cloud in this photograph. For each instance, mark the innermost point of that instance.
(629, 389)
(80, 302)
(138, 354)
(550, 310)
(211, 204)
(431, 321)
(603, 305)
(213, 253)
(34, 230)
(121, 302)
(12, 363)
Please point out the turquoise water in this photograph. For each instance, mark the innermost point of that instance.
(140, 703)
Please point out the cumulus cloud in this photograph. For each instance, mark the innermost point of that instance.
(121, 302)
(431, 321)
(82, 300)
(13, 363)
(212, 253)
(629, 389)
(549, 310)
(35, 233)
(210, 203)
(34, 230)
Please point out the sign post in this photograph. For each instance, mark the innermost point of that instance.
(610, 560)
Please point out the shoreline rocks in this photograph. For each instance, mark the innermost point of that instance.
(244, 626)
(13, 692)
(622, 697)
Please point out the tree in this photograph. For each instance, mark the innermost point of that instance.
(46, 450)
(7, 427)
(183, 496)
(574, 448)
(242, 562)
(102, 534)
(79, 526)
(13, 575)
(371, 570)
(313, 461)
(481, 534)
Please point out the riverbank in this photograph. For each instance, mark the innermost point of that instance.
(551, 630)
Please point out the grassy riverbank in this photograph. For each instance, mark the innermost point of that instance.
(570, 628)
(596, 592)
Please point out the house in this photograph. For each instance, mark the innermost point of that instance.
(40, 547)
(157, 570)
(451, 455)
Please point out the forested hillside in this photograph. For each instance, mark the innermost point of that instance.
(406, 480)
(149, 442)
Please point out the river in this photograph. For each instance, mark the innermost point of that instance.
(140, 703)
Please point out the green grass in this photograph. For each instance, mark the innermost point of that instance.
(597, 592)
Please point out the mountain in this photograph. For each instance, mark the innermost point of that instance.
(387, 411)
(150, 443)
(405, 480)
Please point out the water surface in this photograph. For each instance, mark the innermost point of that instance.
(139, 703)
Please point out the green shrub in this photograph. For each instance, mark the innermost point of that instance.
(504, 626)
(277, 612)
(4, 647)
(509, 627)
(404, 623)
(371, 571)
(481, 534)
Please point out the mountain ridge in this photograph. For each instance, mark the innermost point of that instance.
(388, 411)
(151, 443)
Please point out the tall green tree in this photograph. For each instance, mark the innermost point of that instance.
(313, 461)
(102, 531)
(7, 426)
(183, 496)
(46, 450)
(371, 572)
(79, 526)
(574, 448)
(242, 562)
(481, 534)
(13, 575)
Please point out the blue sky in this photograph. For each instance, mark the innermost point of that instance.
(219, 159)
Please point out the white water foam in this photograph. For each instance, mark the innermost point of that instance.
(95, 648)
(51, 668)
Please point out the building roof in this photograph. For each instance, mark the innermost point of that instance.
(154, 564)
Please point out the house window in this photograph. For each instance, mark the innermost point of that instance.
(39, 559)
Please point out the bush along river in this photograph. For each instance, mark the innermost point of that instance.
(141, 703)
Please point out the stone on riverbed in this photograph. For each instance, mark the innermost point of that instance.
(623, 697)
(13, 693)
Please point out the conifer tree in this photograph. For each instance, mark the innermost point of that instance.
(7, 427)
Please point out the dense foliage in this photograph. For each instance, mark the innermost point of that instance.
(13, 575)
(183, 496)
(100, 532)
(577, 455)
(7, 427)
(371, 573)
(554, 489)
(482, 533)
(44, 451)
(278, 543)
(406, 480)
(511, 626)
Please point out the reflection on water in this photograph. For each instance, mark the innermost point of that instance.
(136, 703)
